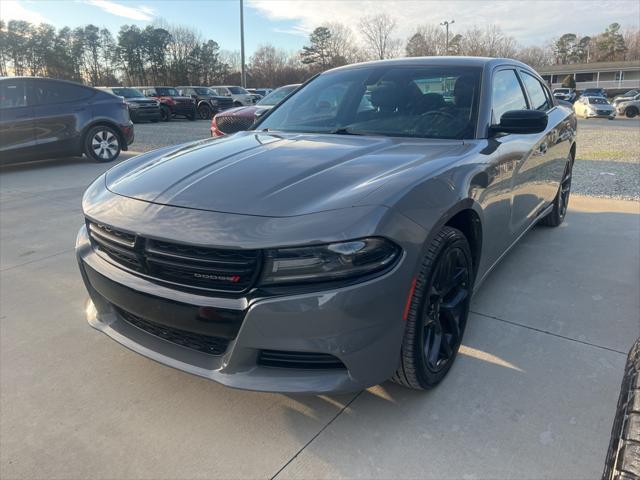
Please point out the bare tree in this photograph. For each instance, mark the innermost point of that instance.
(428, 40)
(341, 43)
(377, 31)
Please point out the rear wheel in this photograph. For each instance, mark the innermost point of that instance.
(438, 312)
(165, 113)
(205, 112)
(631, 112)
(102, 144)
(556, 216)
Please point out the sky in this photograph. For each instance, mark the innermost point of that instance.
(287, 23)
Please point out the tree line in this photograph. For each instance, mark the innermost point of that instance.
(167, 54)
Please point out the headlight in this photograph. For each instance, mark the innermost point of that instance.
(334, 261)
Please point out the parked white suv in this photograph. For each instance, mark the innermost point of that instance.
(239, 95)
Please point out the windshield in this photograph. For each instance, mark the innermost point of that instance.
(238, 90)
(423, 102)
(598, 100)
(167, 92)
(277, 95)
(204, 91)
(127, 92)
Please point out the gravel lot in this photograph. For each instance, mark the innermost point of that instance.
(609, 159)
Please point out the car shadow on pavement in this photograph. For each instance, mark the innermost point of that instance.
(62, 162)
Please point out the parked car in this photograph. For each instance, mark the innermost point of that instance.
(334, 245)
(140, 107)
(629, 108)
(241, 118)
(566, 94)
(172, 104)
(239, 95)
(625, 97)
(46, 118)
(594, 92)
(263, 92)
(594, 107)
(208, 103)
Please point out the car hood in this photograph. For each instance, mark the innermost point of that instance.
(278, 175)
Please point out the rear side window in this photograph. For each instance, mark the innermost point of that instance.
(539, 100)
(507, 94)
(12, 94)
(49, 93)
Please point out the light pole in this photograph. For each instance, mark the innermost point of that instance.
(445, 24)
(243, 75)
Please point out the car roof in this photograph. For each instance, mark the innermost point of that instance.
(437, 61)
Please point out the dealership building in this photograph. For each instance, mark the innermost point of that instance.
(615, 77)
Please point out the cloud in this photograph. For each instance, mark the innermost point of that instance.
(141, 13)
(14, 10)
(531, 22)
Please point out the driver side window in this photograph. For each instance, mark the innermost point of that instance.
(507, 95)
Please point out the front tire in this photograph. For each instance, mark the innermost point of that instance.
(102, 144)
(438, 312)
(631, 112)
(205, 112)
(165, 113)
(560, 204)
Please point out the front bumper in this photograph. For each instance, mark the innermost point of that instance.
(184, 109)
(142, 114)
(596, 114)
(360, 324)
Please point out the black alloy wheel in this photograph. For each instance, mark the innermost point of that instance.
(204, 112)
(444, 313)
(556, 216)
(438, 312)
(631, 112)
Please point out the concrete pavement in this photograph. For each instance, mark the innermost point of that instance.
(532, 395)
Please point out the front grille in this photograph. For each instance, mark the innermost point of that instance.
(188, 266)
(231, 124)
(195, 341)
(299, 360)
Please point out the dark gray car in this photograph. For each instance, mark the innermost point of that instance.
(47, 118)
(338, 243)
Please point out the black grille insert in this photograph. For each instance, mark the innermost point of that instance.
(231, 124)
(195, 341)
(300, 360)
(183, 265)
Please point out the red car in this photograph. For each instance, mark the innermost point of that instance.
(171, 102)
(241, 118)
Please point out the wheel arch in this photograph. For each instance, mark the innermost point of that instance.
(466, 216)
(103, 123)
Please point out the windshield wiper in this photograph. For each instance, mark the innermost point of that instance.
(343, 131)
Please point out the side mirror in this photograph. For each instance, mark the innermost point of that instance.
(521, 121)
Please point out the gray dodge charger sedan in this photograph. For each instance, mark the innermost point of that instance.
(337, 244)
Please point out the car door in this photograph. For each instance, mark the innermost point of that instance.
(537, 176)
(17, 133)
(512, 151)
(59, 112)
